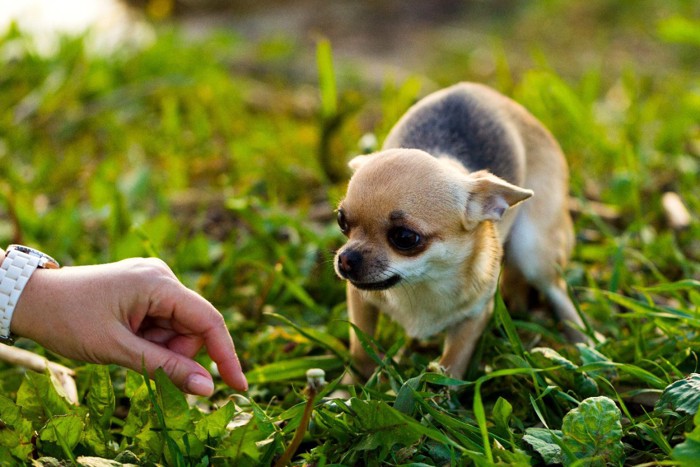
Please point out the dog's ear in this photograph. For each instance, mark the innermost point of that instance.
(490, 196)
(358, 161)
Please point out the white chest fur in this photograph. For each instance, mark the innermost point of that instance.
(429, 307)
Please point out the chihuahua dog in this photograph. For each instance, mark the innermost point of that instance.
(430, 218)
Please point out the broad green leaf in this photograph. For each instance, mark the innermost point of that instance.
(502, 412)
(440, 453)
(287, 370)
(99, 439)
(100, 395)
(241, 447)
(213, 425)
(590, 355)
(542, 441)
(134, 383)
(40, 399)
(172, 402)
(593, 431)
(177, 423)
(100, 402)
(150, 441)
(511, 454)
(465, 432)
(14, 443)
(551, 356)
(145, 423)
(405, 401)
(11, 414)
(65, 431)
(140, 410)
(6, 457)
(428, 431)
(584, 385)
(334, 426)
(682, 396)
(16, 435)
(514, 458)
(265, 424)
(383, 427)
(687, 453)
(568, 375)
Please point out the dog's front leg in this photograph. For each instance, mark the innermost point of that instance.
(364, 316)
(461, 341)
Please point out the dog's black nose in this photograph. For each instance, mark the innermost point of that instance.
(349, 261)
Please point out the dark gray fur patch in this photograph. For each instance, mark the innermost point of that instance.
(458, 126)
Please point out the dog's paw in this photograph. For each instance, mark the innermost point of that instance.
(338, 394)
(436, 367)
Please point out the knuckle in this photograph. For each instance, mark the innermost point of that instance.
(215, 315)
(170, 365)
(157, 265)
(217, 320)
(150, 268)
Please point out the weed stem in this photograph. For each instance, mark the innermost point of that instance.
(315, 381)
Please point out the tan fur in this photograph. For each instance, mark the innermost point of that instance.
(447, 281)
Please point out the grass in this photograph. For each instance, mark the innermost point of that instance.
(231, 177)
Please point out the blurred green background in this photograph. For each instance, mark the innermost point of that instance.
(215, 135)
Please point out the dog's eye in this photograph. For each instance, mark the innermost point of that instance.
(342, 222)
(403, 238)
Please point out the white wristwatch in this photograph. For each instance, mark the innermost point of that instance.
(18, 266)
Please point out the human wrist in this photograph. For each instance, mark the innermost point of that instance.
(18, 265)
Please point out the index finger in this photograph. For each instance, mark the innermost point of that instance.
(192, 314)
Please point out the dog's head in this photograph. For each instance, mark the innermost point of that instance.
(410, 217)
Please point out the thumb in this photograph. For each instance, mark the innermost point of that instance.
(185, 373)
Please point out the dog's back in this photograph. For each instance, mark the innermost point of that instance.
(465, 122)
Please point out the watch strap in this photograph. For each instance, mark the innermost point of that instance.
(15, 271)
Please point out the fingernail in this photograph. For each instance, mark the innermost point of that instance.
(200, 385)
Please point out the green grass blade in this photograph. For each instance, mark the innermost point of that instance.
(293, 369)
(325, 340)
(326, 79)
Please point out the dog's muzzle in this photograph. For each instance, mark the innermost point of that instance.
(349, 265)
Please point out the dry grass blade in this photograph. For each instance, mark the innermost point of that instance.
(34, 362)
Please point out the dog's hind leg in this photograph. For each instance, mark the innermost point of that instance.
(557, 295)
(538, 247)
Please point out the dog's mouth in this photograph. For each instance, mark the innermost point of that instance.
(380, 285)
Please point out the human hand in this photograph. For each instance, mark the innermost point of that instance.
(133, 313)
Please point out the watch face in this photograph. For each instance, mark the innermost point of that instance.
(45, 261)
